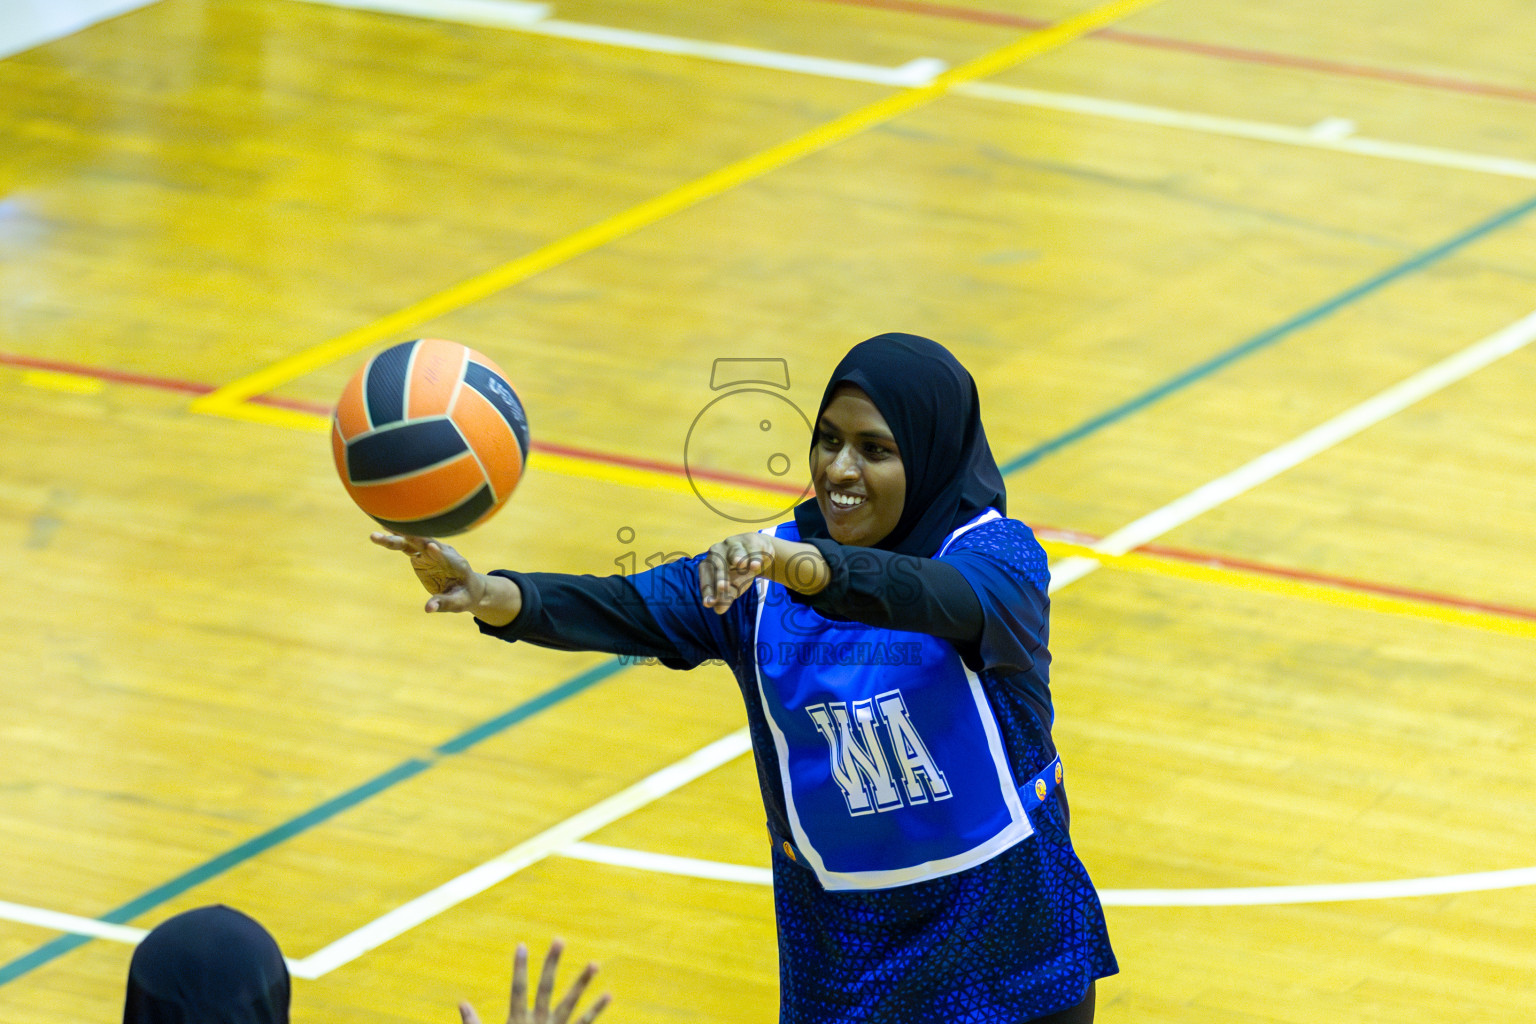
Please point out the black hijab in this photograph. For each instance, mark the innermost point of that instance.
(934, 412)
(213, 965)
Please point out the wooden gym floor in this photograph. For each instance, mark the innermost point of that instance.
(1248, 292)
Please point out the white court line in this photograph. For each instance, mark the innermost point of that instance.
(533, 19)
(71, 924)
(914, 73)
(1275, 895)
(1315, 441)
(475, 881)
(1334, 134)
(667, 864)
(490, 13)
(312, 968)
(1269, 895)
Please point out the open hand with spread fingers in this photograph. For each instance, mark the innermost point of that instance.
(542, 1012)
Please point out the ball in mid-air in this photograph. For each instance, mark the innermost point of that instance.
(429, 437)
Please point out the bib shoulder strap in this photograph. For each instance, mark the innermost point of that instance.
(784, 531)
(985, 517)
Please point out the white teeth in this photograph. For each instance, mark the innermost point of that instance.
(846, 501)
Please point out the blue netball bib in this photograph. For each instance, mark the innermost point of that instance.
(892, 762)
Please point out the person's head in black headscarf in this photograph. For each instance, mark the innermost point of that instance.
(899, 458)
(212, 965)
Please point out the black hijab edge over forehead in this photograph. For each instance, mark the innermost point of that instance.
(934, 412)
(212, 965)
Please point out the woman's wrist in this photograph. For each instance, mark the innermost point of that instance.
(501, 602)
(800, 567)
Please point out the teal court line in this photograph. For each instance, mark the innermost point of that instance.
(324, 812)
(409, 769)
(1266, 338)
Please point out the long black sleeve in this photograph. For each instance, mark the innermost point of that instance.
(868, 585)
(585, 613)
(893, 591)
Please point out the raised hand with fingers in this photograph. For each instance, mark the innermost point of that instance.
(542, 1013)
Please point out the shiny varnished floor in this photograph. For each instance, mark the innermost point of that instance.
(217, 691)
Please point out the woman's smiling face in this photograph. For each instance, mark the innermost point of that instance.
(856, 469)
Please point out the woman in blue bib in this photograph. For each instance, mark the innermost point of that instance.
(890, 645)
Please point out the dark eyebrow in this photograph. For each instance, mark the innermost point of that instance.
(867, 435)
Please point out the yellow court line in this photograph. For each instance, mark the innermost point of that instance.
(272, 416)
(231, 399)
(1305, 589)
(1245, 579)
(654, 480)
(53, 380)
(572, 466)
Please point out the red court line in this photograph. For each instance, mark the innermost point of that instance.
(113, 376)
(670, 468)
(1342, 582)
(1236, 53)
(1300, 575)
(140, 379)
(673, 469)
(194, 388)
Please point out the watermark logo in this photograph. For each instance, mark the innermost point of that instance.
(629, 561)
(747, 451)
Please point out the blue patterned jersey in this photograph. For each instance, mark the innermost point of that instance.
(1017, 937)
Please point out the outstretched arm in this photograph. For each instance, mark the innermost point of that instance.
(573, 613)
